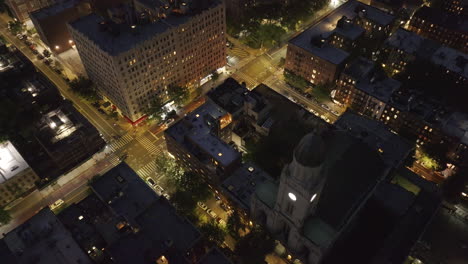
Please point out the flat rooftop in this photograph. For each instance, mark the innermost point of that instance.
(11, 162)
(456, 125)
(451, 59)
(412, 43)
(359, 68)
(381, 89)
(196, 128)
(45, 240)
(124, 191)
(242, 183)
(327, 25)
(116, 38)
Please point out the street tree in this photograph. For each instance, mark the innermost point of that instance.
(167, 167)
(234, 224)
(156, 109)
(253, 247)
(84, 88)
(180, 94)
(193, 184)
(213, 233)
(5, 216)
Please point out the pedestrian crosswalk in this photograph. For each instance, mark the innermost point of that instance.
(238, 52)
(242, 77)
(114, 160)
(149, 145)
(147, 170)
(118, 143)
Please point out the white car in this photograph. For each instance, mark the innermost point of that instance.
(202, 206)
(211, 213)
(57, 204)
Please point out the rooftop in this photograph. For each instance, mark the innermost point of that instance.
(45, 240)
(196, 128)
(456, 125)
(53, 9)
(379, 87)
(392, 148)
(451, 59)
(345, 27)
(161, 233)
(11, 162)
(412, 43)
(328, 24)
(230, 95)
(124, 191)
(242, 183)
(116, 38)
(359, 68)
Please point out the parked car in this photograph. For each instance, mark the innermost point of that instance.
(101, 111)
(167, 196)
(224, 207)
(40, 57)
(211, 213)
(220, 221)
(151, 182)
(159, 189)
(202, 206)
(35, 52)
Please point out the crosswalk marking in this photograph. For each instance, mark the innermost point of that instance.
(149, 145)
(242, 77)
(147, 170)
(121, 142)
(238, 52)
(114, 160)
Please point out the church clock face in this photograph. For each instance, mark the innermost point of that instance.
(292, 196)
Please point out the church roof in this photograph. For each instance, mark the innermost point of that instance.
(303, 153)
(267, 192)
(351, 171)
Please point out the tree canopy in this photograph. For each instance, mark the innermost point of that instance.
(84, 88)
(253, 247)
(213, 233)
(5, 217)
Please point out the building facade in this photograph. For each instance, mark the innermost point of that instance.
(444, 27)
(51, 23)
(320, 53)
(199, 142)
(133, 59)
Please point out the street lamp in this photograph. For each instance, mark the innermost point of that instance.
(57, 47)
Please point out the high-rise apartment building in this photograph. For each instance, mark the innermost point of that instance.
(139, 52)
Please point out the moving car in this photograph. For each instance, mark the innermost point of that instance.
(57, 204)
